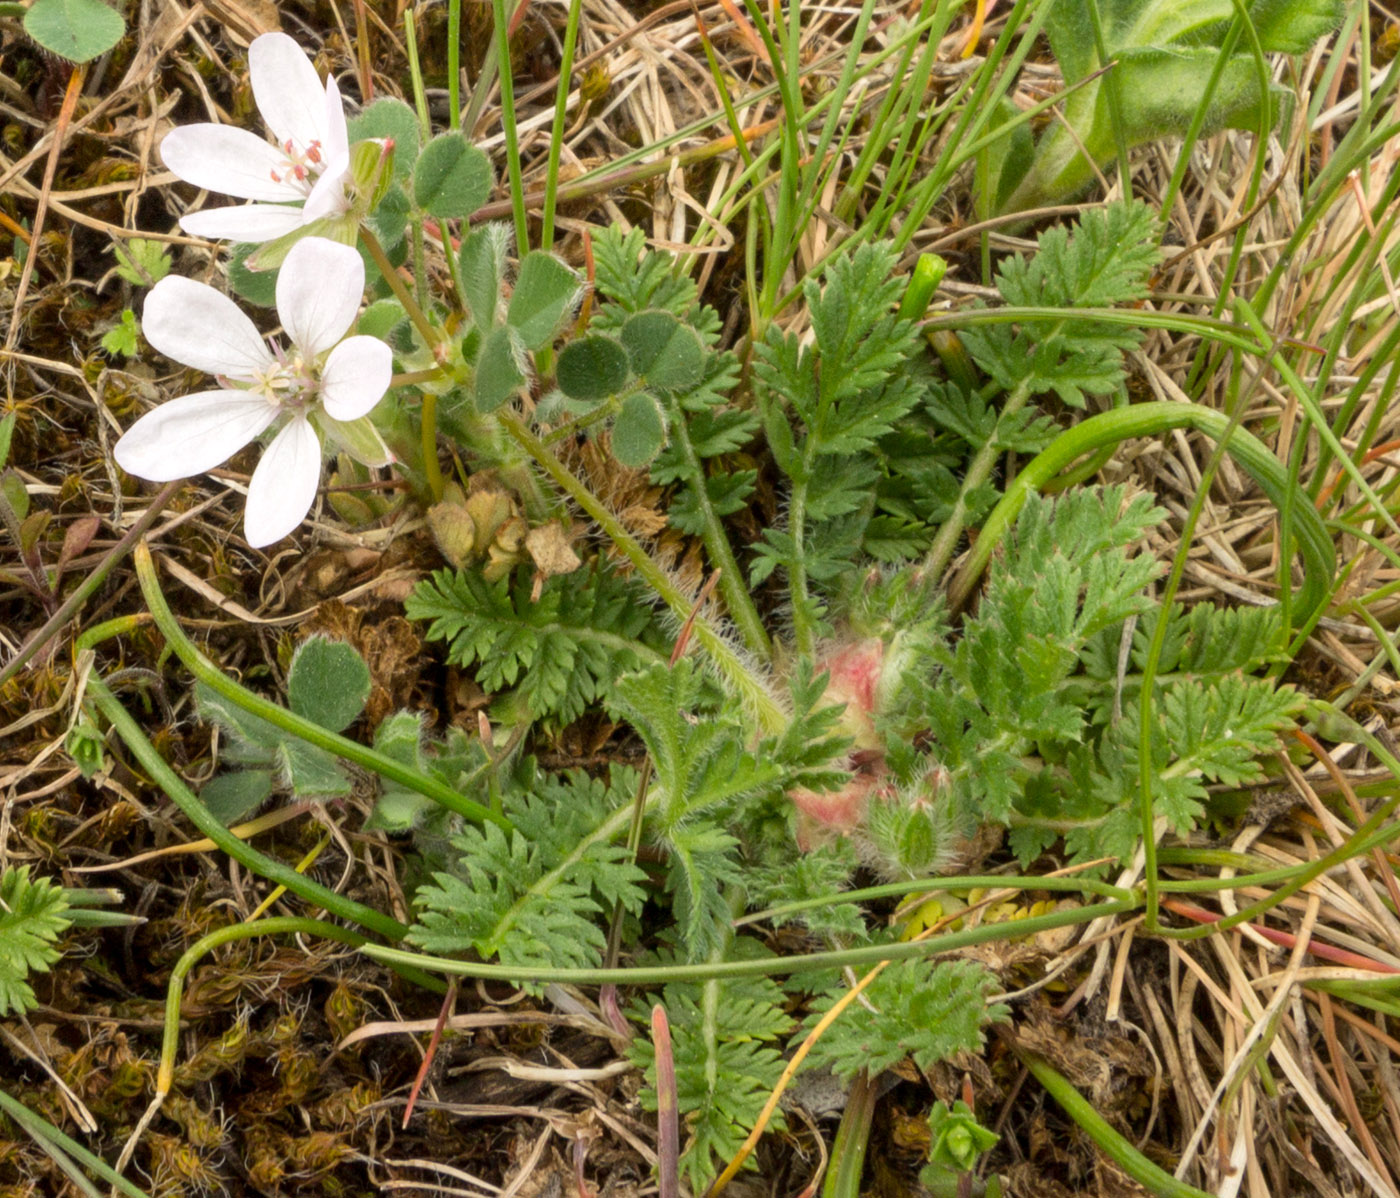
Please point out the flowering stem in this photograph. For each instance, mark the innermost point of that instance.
(428, 417)
(206, 672)
(202, 818)
(276, 925)
(654, 975)
(1151, 419)
(731, 667)
(737, 598)
(430, 335)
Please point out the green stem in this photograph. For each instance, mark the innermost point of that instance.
(428, 417)
(556, 132)
(1374, 831)
(1150, 419)
(276, 925)
(804, 618)
(1113, 1145)
(1236, 402)
(208, 673)
(517, 183)
(48, 1135)
(732, 669)
(431, 336)
(852, 1140)
(940, 886)
(760, 967)
(978, 471)
(200, 816)
(94, 579)
(737, 598)
(415, 72)
(454, 67)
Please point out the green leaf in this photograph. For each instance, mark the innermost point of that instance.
(1106, 260)
(452, 178)
(393, 119)
(664, 352)
(232, 795)
(390, 223)
(142, 262)
(32, 917)
(381, 318)
(328, 683)
(15, 493)
(122, 338)
(398, 811)
(1164, 53)
(546, 291)
(592, 368)
(639, 431)
(7, 432)
(499, 369)
(78, 30)
(561, 648)
(310, 771)
(915, 1008)
(536, 895)
(725, 1040)
(482, 260)
(256, 286)
(84, 746)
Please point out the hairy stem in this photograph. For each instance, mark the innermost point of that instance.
(731, 580)
(733, 671)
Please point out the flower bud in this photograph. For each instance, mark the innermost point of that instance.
(854, 673)
(821, 818)
(371, 172)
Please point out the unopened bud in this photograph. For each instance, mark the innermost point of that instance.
(371, 172)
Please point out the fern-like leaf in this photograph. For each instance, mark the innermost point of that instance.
(1105, 261)
(533, 896)
(724, 1038)
(32, 918)
(560, 651)
(915, 1009)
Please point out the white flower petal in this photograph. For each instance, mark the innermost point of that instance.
(194, 324)
(232, 161)
(247, 222)
(284, 484)
(318, 293)
(337, 135)
(328, 196)
(287, 91)
(192, 434)
(355, 377)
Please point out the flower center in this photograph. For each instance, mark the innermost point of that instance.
(299, 167)
(287, 383)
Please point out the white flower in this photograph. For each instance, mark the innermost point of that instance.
(318, 296)
(303, 176)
